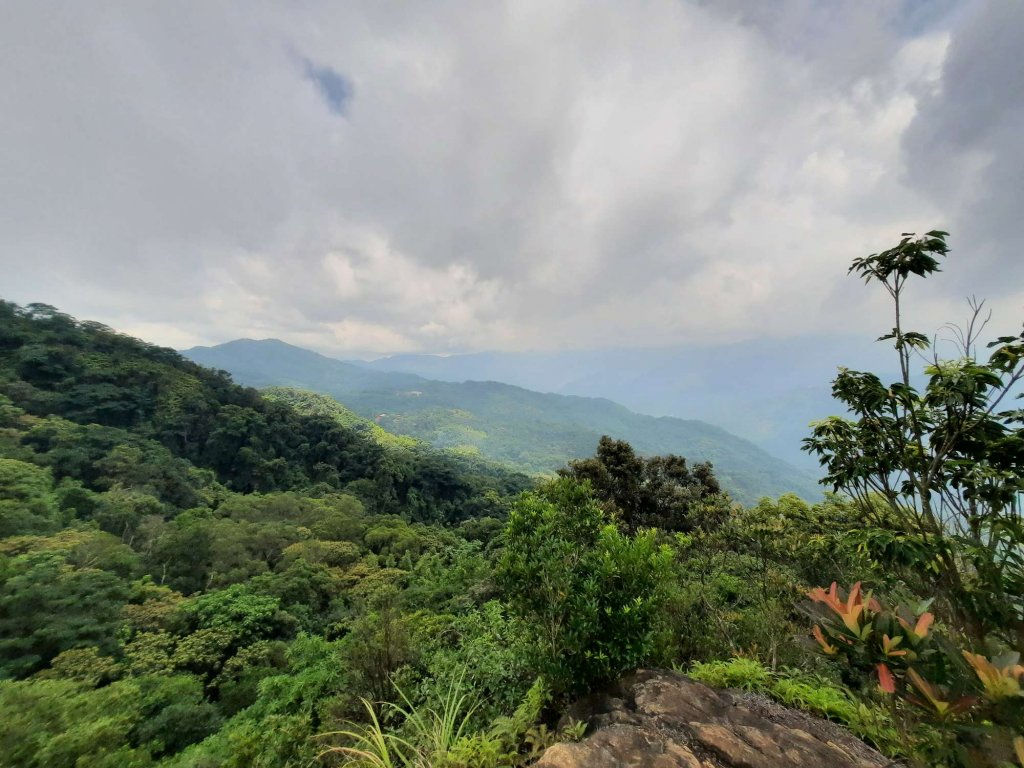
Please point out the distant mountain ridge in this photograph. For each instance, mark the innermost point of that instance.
(766, 391)
(525, 429)
(267, 363)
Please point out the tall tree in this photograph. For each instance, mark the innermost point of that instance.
(660, 492)
(938, 473)
(595, 596)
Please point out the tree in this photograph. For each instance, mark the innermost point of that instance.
(937, 473)
(594, 594)
(28, 503)
(119, 511)
(215, 626)
(47, 607)
(660, 492)
(379, 643)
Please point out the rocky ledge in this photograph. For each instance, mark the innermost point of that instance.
(664, 719)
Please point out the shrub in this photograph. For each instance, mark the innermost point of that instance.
(594, 594)
(440, 736)
(974, 701)
(739, 672)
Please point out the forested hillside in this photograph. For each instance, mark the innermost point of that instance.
(527, 430)
(697, 380)
(196, 574)
(182, 557)
(98, 389)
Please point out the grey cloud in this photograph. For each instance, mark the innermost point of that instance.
(334, 88)
(964, 148)
(463, 175)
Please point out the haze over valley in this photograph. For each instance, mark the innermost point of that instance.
(526, 430)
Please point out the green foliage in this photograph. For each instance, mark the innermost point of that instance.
(942, 463)
(739, 672)
(194, 575)
(433, 736)
(593, 594)
(735, 586)
(28, 502)
(321, 405)
(935, 473)
(922, 668)
(215, 626)
(441, 736)
(314, 675)
(488, 647)
(379, 643)
(119, 411)
(54, 723)
(47, 605)
(660, 492)
(85, 665)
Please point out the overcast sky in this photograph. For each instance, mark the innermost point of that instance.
(373, 177)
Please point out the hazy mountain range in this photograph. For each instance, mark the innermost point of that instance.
(525, 429)
(765, 391)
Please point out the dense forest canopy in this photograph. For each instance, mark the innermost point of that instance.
(173, 544)
(193, 573)
(106, 389)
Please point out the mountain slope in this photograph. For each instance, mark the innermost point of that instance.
(766, 391)
(311, 404)
(269, 362)
(527, 430)
(158, 416)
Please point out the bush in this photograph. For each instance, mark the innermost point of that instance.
(740, 672)
(594, 595)
(973, 701)
(441, 736)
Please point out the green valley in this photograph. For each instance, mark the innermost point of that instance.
(530, 431)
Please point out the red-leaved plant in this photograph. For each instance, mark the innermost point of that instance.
(912, 662)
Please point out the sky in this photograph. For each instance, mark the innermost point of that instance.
(367, 178)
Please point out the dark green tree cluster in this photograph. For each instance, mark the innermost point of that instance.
(194, 574)
(153, 404)
(658, 492)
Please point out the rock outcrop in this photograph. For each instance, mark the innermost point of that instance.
(666, 720)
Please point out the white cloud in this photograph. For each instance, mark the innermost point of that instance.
(518, 175)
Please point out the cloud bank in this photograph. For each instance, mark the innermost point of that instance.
(360, 178)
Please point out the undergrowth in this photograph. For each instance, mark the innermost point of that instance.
(808, 692)
(442, 736)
